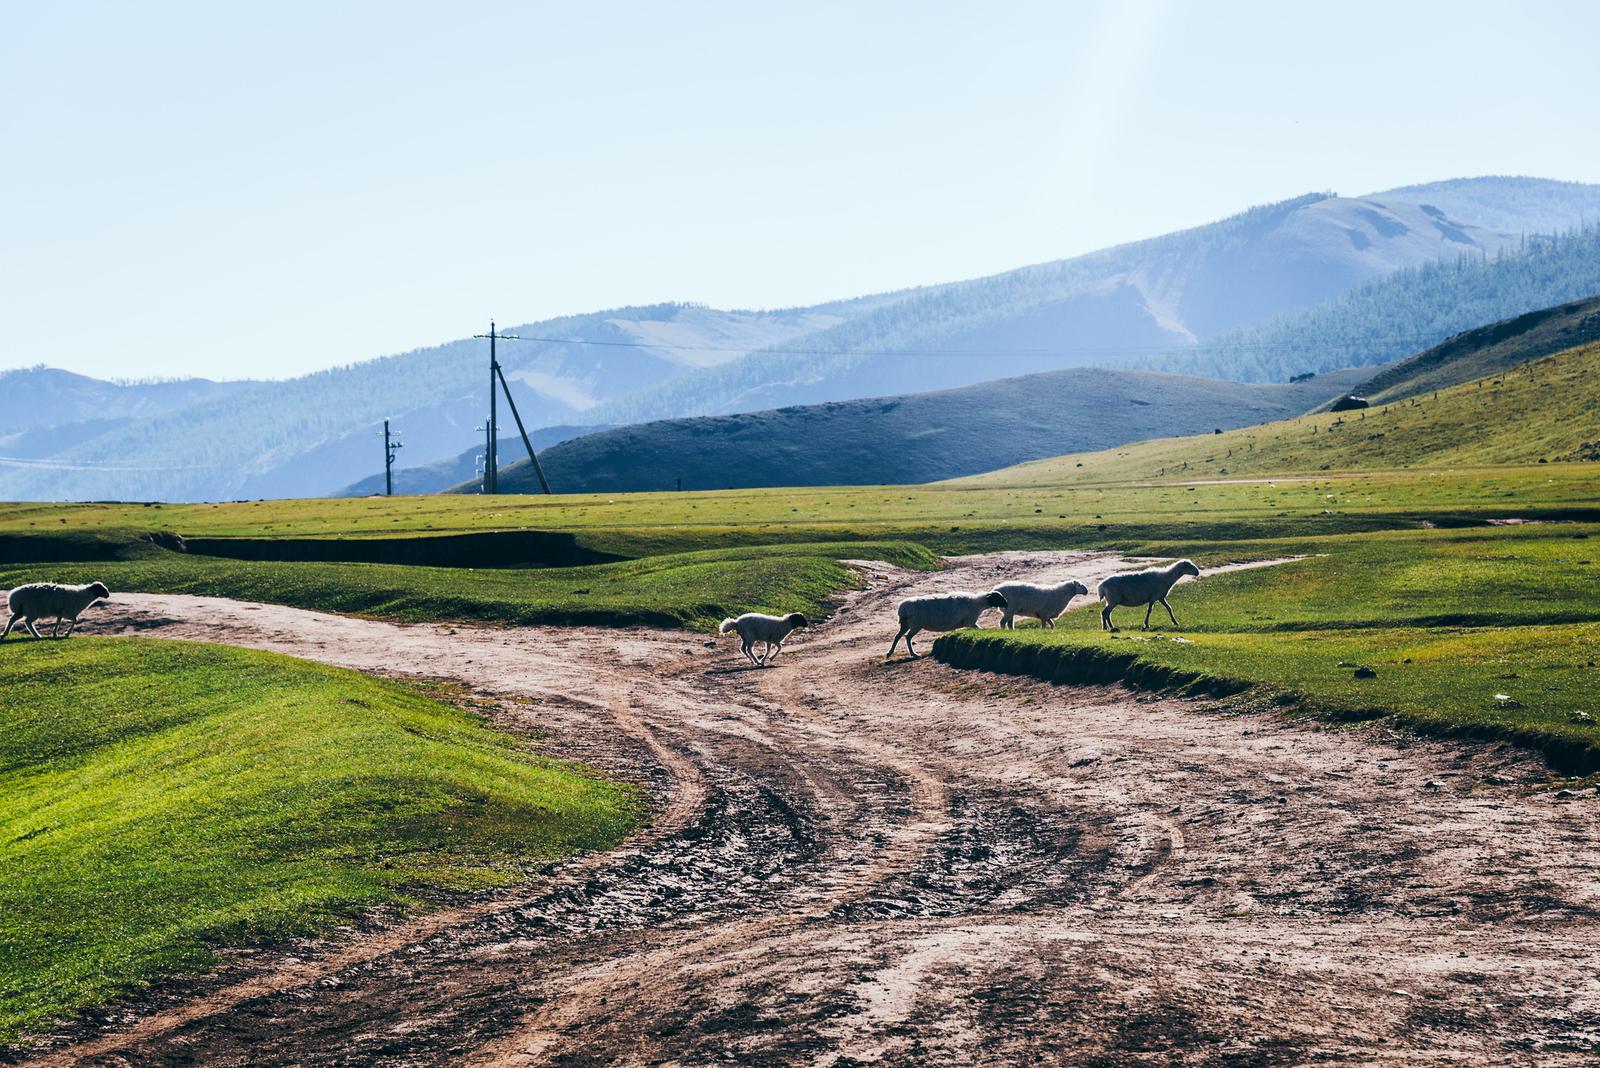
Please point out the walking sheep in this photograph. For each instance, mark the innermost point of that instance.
(46, 600)
(1043, 603)
(1143, 587)
(754, 627)
(942, 611)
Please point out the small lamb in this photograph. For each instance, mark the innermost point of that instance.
(771, 630)
(47, 600)
(1043, 603)
(1143, 587)
(941, 611)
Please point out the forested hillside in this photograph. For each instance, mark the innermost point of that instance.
(1487, 350)
(1411, 310)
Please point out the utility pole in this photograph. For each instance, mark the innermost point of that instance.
(388, 460)
(491, 473)
(484, 459)
(491, 458)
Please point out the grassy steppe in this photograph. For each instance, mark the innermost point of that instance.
(675, 589)
(1544, 410)
(1051, 500)
(157, 798)
(1448, 619)
(703, 556)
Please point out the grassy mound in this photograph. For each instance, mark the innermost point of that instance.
(677, 589)
(1447, 620)
(158, 798)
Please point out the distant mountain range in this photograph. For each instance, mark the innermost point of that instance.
(1148, 303)
(311, 435)
(922, 437)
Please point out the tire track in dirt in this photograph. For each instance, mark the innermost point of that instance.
(855, 861)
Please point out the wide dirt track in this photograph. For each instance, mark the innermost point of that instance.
(858, 862)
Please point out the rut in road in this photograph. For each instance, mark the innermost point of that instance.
(856, 861)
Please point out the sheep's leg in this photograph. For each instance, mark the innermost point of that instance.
(1007, 621)
(29, 623)
(744, 648)
(1151, 607)
(1168, 607)
(1048, 624)
(896, 642)
(71, 623)
(776, 649)
(914, 654)
(4, 634)
(1105, 617)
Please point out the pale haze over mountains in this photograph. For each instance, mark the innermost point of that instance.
(1164, 300)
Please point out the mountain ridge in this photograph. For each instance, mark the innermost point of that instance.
(314, 434)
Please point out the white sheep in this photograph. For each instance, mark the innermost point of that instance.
(1143, 587)
(941, 611)
(1043, 603)
(771, 630)
(47, 600)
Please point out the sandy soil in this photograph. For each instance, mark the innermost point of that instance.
(855, 861)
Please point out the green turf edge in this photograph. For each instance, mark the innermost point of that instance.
(1069, 664)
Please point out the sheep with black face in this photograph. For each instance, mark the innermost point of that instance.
(754, 627)
(1148, 588)
(942, 611)
(48, 600)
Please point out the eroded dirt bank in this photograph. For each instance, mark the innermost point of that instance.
(861, 862)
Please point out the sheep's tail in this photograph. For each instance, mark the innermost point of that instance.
(727, 625)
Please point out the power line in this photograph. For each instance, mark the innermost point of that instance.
(1143, 350)
(109, 466)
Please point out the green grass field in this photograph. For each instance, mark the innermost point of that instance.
(294, 793)
(158, 798)
(1050, 500)
(1447, 619)
(1447, 616)
(694, 589)
(1544, 410)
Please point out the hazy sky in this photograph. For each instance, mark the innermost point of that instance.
(259, 190)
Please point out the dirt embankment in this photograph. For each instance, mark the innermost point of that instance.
(856, 861)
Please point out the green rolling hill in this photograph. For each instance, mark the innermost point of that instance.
(1488, 350)
(1543, 410)
(919, 437)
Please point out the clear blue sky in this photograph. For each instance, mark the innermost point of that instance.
(266, 189)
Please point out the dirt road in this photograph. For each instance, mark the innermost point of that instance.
(865, 862)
